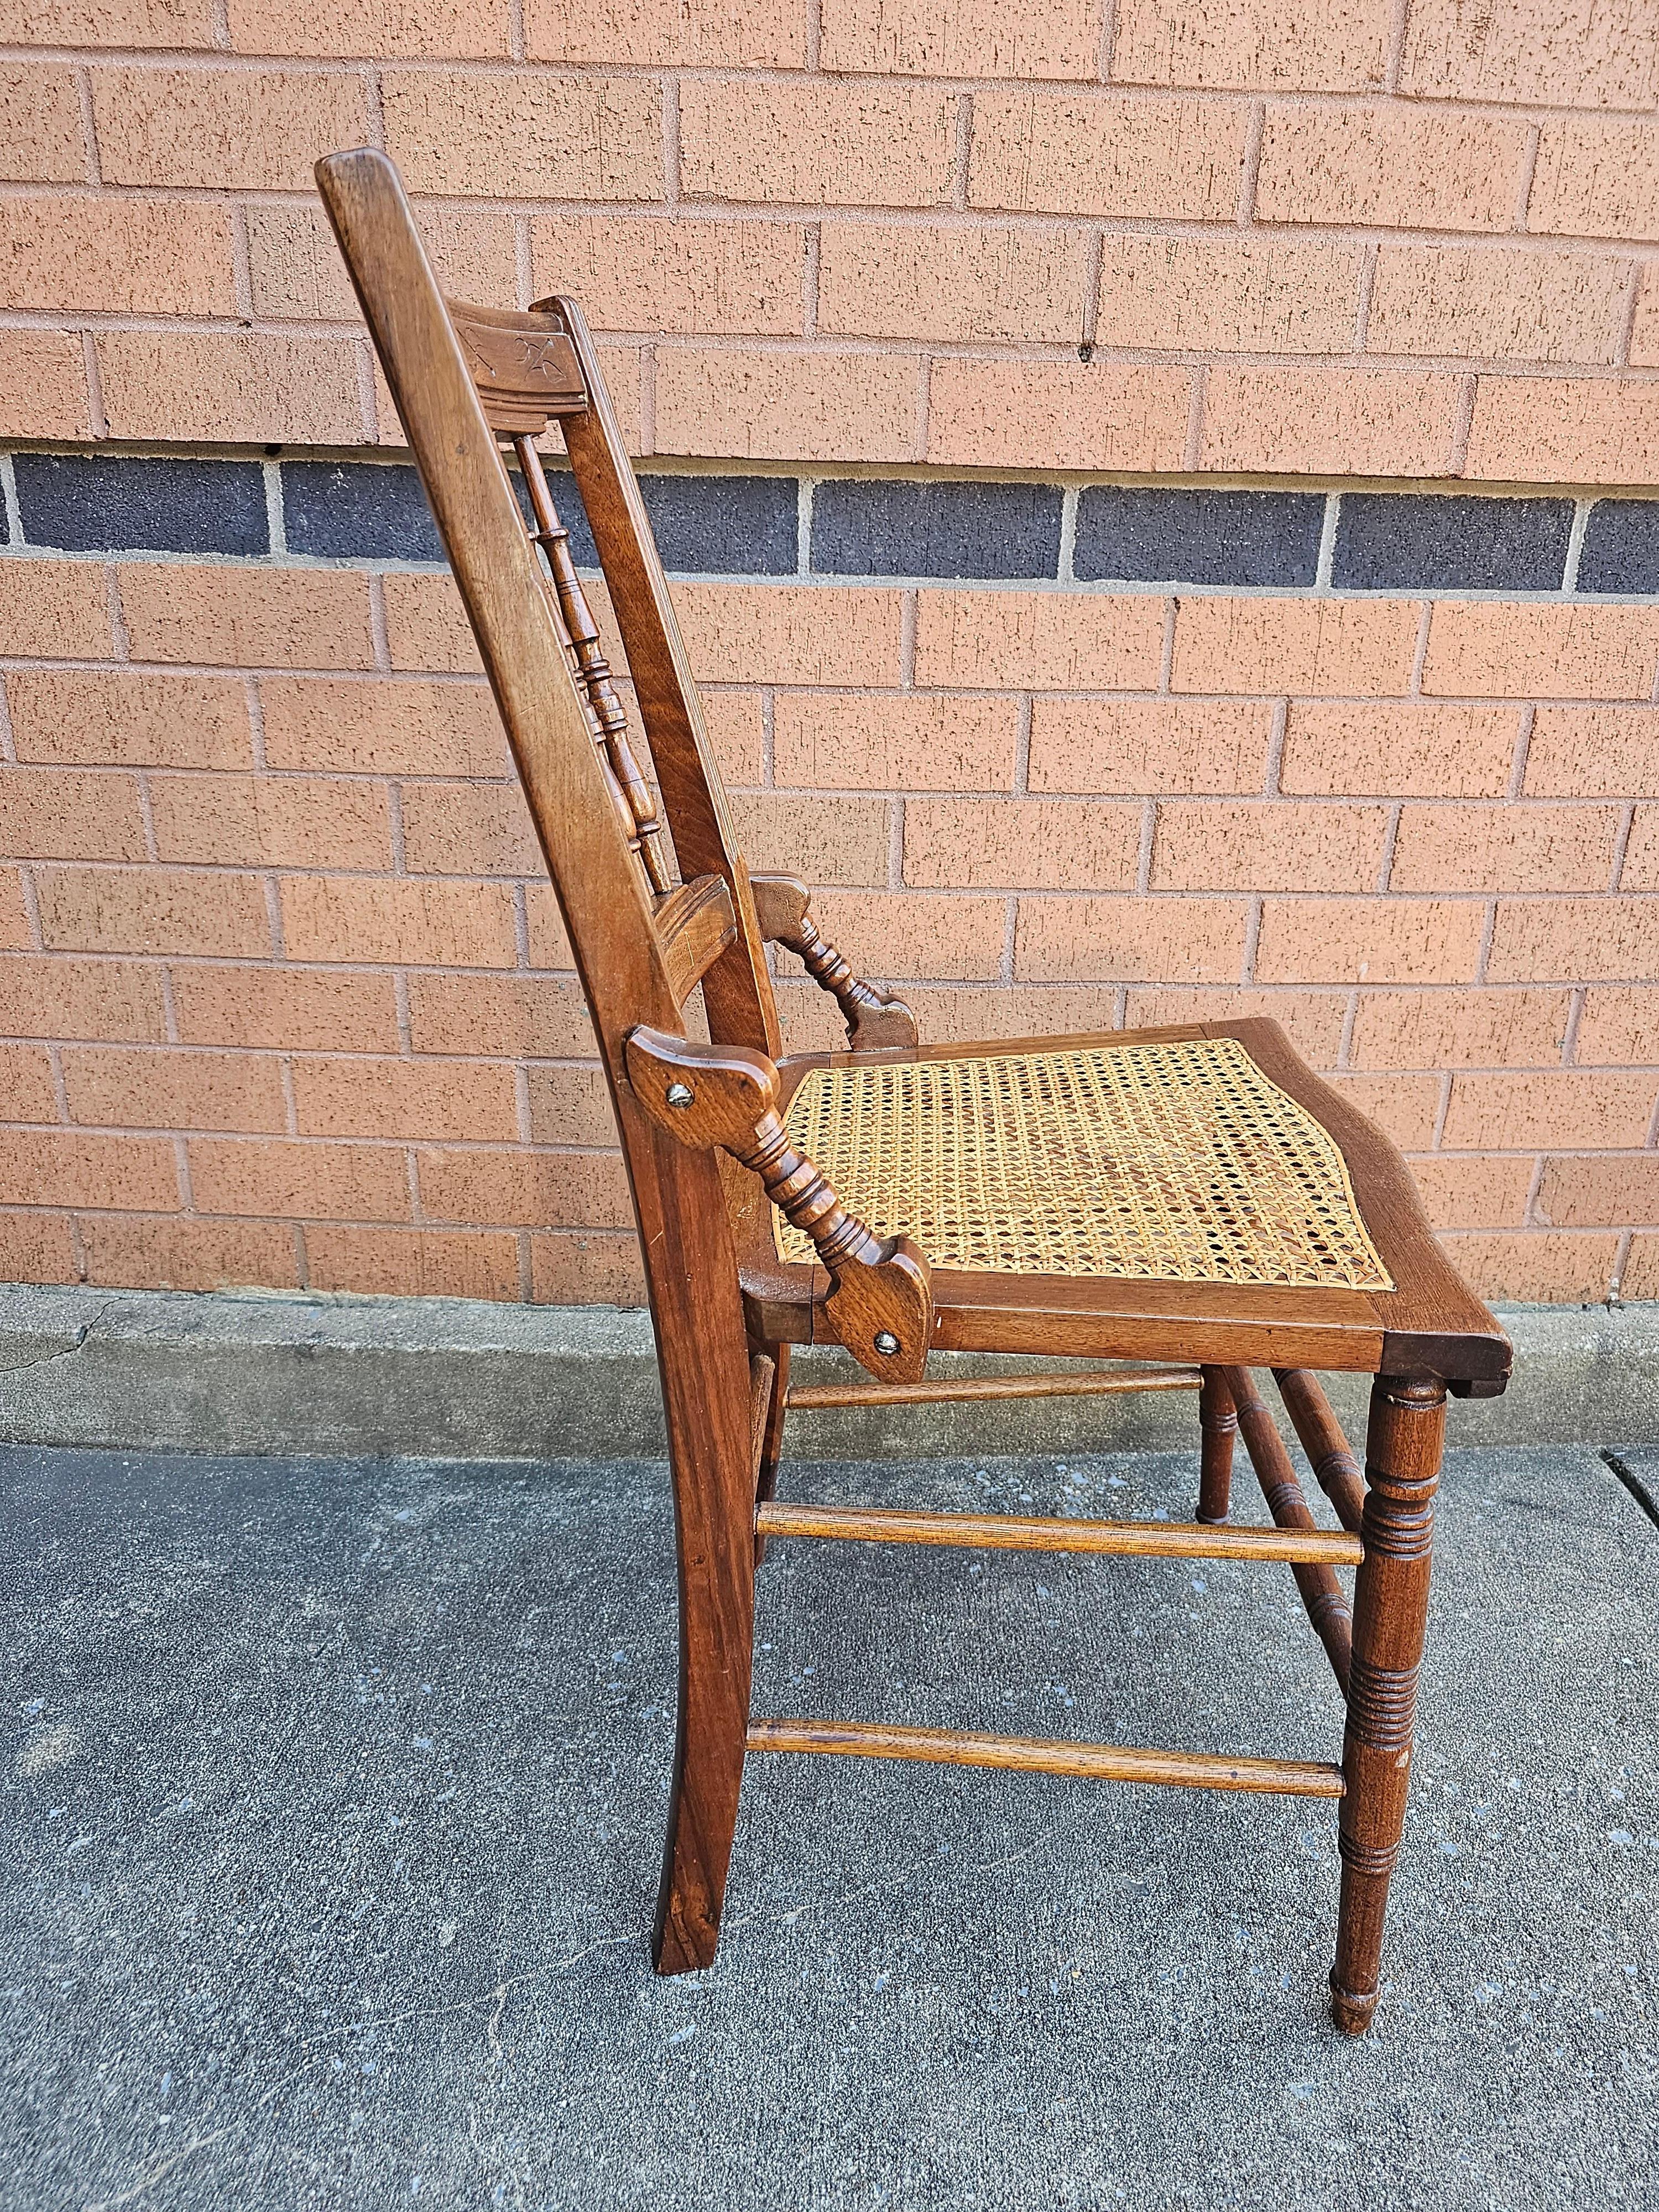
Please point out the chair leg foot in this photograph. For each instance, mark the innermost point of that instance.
(1391, 1600)
(1218, 1423)
(1351, 2015)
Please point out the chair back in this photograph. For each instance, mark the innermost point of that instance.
(646, 924)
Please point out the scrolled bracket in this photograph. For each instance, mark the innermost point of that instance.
(880, 1303)
(875, 1020)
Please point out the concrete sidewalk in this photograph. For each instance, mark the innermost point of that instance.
(339, 1789)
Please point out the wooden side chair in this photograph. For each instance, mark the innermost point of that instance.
(1190, 1197)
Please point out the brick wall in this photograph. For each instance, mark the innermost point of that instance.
(1157, 497)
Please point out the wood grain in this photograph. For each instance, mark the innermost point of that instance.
(1104, 1762)
(824, 1397)
(1146, 1540)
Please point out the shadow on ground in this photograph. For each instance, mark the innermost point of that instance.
(339, 1791)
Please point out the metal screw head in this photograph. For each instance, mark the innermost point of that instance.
(886, 1343)
(678, 1094)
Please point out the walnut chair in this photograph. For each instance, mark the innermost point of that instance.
(1190, 1200)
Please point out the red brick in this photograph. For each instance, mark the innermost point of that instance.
(790, 634)
(56, 997)
(425, 1263)
(1029, 844)
(299, 1181)
(1042, 641)
(26, 1084)
(597, 1268)
(1516, 848)
(1574, 939)
(69, 814)
(219, 386)
(106, 22)
(1564, 429)
(1376, 746)
(469, 829)
(1467, 1190)
(1258, 294)
(810, 141)
(298, 273)
(42, 141)
(1459, 1029)
(896, 934)
(1311, 1019)
(43, 384)
(395, 1097)
(1148, 745)
(1039, 152)
(1642, 1269)
(1330, 421)
(223, 130)
(109, 255)
(519, 1017)
(247, 617)
(824, 406)
(1596, 178)
(1593, 1193)
(522, 1188)
(108, 1087)
(53, 610)
(36, 1247)
(1516, 1111)
(286, 1009)
(1520, 650)
(372, 27)
(735, 724)
(179, 1253)
(1364, 645)
(1531, 51)
(673, 33)
(51, 1167)
(829, 840)
(105, 717)
(957, 282)
(894, 741)
(384, 727)
(1595, 752)
(427, 626)
(1375, 940)
(1535, 1264)
(1057, 414)
(962, 38)
(1267, 846)
(570, 1106)
(150, 909)
(427, 922)
(550, 946)
(1497, 303)
(1135, 940)
(1252, 46)
(16, 935)
(302, 821)
(1618, 1026)
(1404, 1107)
(520, 134)
(1391, 168)
(692, 277)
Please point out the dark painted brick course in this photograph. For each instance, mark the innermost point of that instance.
(724, 525)
(992, 530)
(138, 503)
(355, 510)
(1620, 551)
(1130, 535)
(1399, 542)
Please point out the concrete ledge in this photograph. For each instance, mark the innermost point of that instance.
(463, 1379)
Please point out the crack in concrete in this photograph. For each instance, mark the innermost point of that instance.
(23, 1367)
(1633, 1483)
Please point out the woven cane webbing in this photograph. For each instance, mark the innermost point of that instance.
(1171, 1163)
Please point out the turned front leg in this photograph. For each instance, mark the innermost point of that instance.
(1218, 1423)
(1391, 1601)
